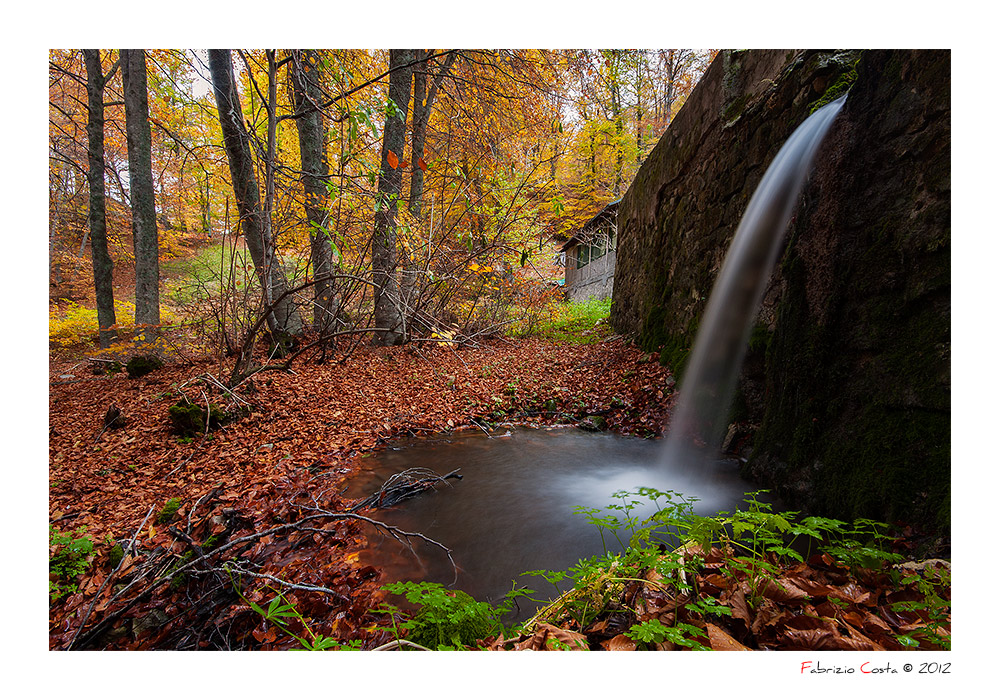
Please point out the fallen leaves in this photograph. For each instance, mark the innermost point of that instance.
(266, 469)
(720, 640)
(302, 426)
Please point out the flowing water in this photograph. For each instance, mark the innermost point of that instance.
(706, 391)
(513, 511)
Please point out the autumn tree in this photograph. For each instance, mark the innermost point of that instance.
(389, 314)
(282, 318)
(140, 170)
(619, 102)
(426, 84)
(102, 263)
(677, 72)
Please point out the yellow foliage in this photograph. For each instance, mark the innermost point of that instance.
(77, 325)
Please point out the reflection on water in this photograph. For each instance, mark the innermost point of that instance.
(513, 510)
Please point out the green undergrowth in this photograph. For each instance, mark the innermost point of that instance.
(757, 544)
(204, 263)
(287, 619)
(445, 620)
(666, 551)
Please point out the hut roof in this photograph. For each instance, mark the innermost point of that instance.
(610, 210)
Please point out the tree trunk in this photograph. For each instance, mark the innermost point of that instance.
(140, 177)
(270, 107)
(388, 307)
(204, 194)
(103, 265)
(284, 319)
(304, 74)
(616, 111)
(640, 60)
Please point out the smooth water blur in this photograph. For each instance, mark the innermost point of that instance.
(699, 421)
(513, 510)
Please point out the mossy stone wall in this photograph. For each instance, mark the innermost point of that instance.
(848, 381)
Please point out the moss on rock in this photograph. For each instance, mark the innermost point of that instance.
(849, 382)
(168, 511)
(190, 419)
(115, 556)
(141, 365)
(594, 424)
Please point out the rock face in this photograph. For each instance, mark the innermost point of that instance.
(847, 379)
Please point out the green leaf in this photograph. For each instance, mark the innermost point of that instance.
(650, 631)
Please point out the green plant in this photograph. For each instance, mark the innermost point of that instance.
(859, 544)
(69, 556)
(445, 619)
(754, 543)
(653, 632)
(599, 581)
(933, 607)
(282, 614)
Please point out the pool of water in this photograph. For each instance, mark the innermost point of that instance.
(513, 509)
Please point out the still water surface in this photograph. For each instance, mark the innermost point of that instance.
(513, 510)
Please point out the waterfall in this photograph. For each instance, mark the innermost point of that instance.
(706, 392)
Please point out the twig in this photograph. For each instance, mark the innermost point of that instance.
(210, 494)
(97, 595)
(295, 586)
(404, 485)
(396, 643)
(485, 431)
(131, 543)
(397, 533)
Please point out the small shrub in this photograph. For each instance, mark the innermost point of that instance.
(69, 556)
(77, 325)
(446, 619)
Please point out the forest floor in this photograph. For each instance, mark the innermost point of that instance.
(241, 538)
(300, 434)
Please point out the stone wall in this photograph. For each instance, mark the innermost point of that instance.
(847, 383)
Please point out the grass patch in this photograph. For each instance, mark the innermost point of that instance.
(580, 323)
(204, 264)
